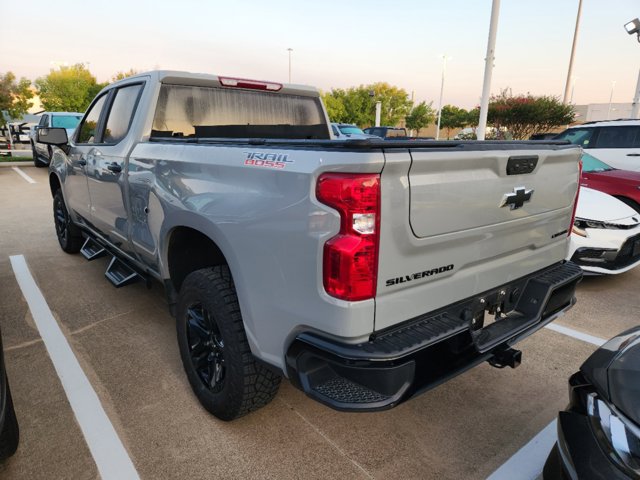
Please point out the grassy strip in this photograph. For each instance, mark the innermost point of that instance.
(4, 159)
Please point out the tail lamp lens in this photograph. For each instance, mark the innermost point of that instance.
(350, 266)
(575, 202)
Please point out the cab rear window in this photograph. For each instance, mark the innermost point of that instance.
(213, 112)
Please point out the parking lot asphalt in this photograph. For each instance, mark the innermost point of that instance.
(125, 341)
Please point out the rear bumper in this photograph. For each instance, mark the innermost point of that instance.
(417, 355)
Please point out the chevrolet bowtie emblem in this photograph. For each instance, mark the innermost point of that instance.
(516, 199)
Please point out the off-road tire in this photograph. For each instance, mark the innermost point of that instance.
(69, 235)
(246, 385)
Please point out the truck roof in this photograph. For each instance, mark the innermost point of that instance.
(209, 80)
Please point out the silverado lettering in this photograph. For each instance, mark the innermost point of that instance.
(417, 275)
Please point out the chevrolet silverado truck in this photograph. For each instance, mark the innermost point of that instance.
(364, 271)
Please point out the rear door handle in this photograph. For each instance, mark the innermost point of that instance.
(114, 167)
(633, 154)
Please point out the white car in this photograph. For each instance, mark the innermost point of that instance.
(605, 237)
(616, 142)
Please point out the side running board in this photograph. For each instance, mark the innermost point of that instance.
(92, 249)
(120, 274)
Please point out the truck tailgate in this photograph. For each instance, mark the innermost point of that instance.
(457, 222)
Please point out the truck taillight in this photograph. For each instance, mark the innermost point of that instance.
(350, 265)
(575, 203)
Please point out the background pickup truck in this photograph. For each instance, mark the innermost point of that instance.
(366, 271)
(42, 153)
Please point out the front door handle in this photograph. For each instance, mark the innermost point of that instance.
(114, 167)
(633, 154)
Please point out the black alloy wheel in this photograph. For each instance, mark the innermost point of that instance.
(206, 347)
(69, 235)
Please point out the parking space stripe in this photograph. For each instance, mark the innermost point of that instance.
(23, 175)
(528, 462)
(585, 337)
(108, 452)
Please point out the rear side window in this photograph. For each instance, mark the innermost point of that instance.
(210, 112)
(87, 131)
(577, 136)
(618, 137)
(121, 113)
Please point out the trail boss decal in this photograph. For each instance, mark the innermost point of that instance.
(267, 160)
(418, 275)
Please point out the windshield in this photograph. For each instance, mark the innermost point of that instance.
(65, 121)
(592, 164)
(350, 130)
(577, 136)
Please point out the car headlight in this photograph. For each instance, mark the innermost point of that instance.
(618, 435)
(583, 223)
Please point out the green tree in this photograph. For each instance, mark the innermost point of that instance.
(122, 75)
(68, 89)
(526, 115)
(420, 116)
(454, 117)
(358, 104)
(14, 96)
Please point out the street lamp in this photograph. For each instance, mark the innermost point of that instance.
(634, 27)
(613, 86)
(444, 69)
(289, 50)
(573, 53)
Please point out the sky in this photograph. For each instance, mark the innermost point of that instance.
(336, 43)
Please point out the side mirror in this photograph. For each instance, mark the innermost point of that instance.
(52, 136)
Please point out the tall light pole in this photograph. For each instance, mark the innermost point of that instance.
(444, 68)
(613, 86)
(573, 53)
(289, 50)
(573, 87)
(488, 70)
(633, 27)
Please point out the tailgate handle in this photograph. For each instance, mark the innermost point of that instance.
(521, 164)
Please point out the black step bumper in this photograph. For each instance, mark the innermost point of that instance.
(410, 358)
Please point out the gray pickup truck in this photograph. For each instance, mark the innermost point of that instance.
(365, 271)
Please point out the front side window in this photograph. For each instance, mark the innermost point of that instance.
(43, 121)
(618, 137)
(577, 136)
(121, 113)
(87, 133)
(213, 112)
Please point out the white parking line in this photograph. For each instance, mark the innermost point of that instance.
(528, 462)
(585, 337)
(108, 452)
(23, 175)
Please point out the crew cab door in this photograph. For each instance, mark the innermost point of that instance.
(76, 189)
(106, 166)
(41, 148)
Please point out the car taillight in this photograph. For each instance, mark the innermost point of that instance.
(350, 265)
(250, 84)
(575, 202)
